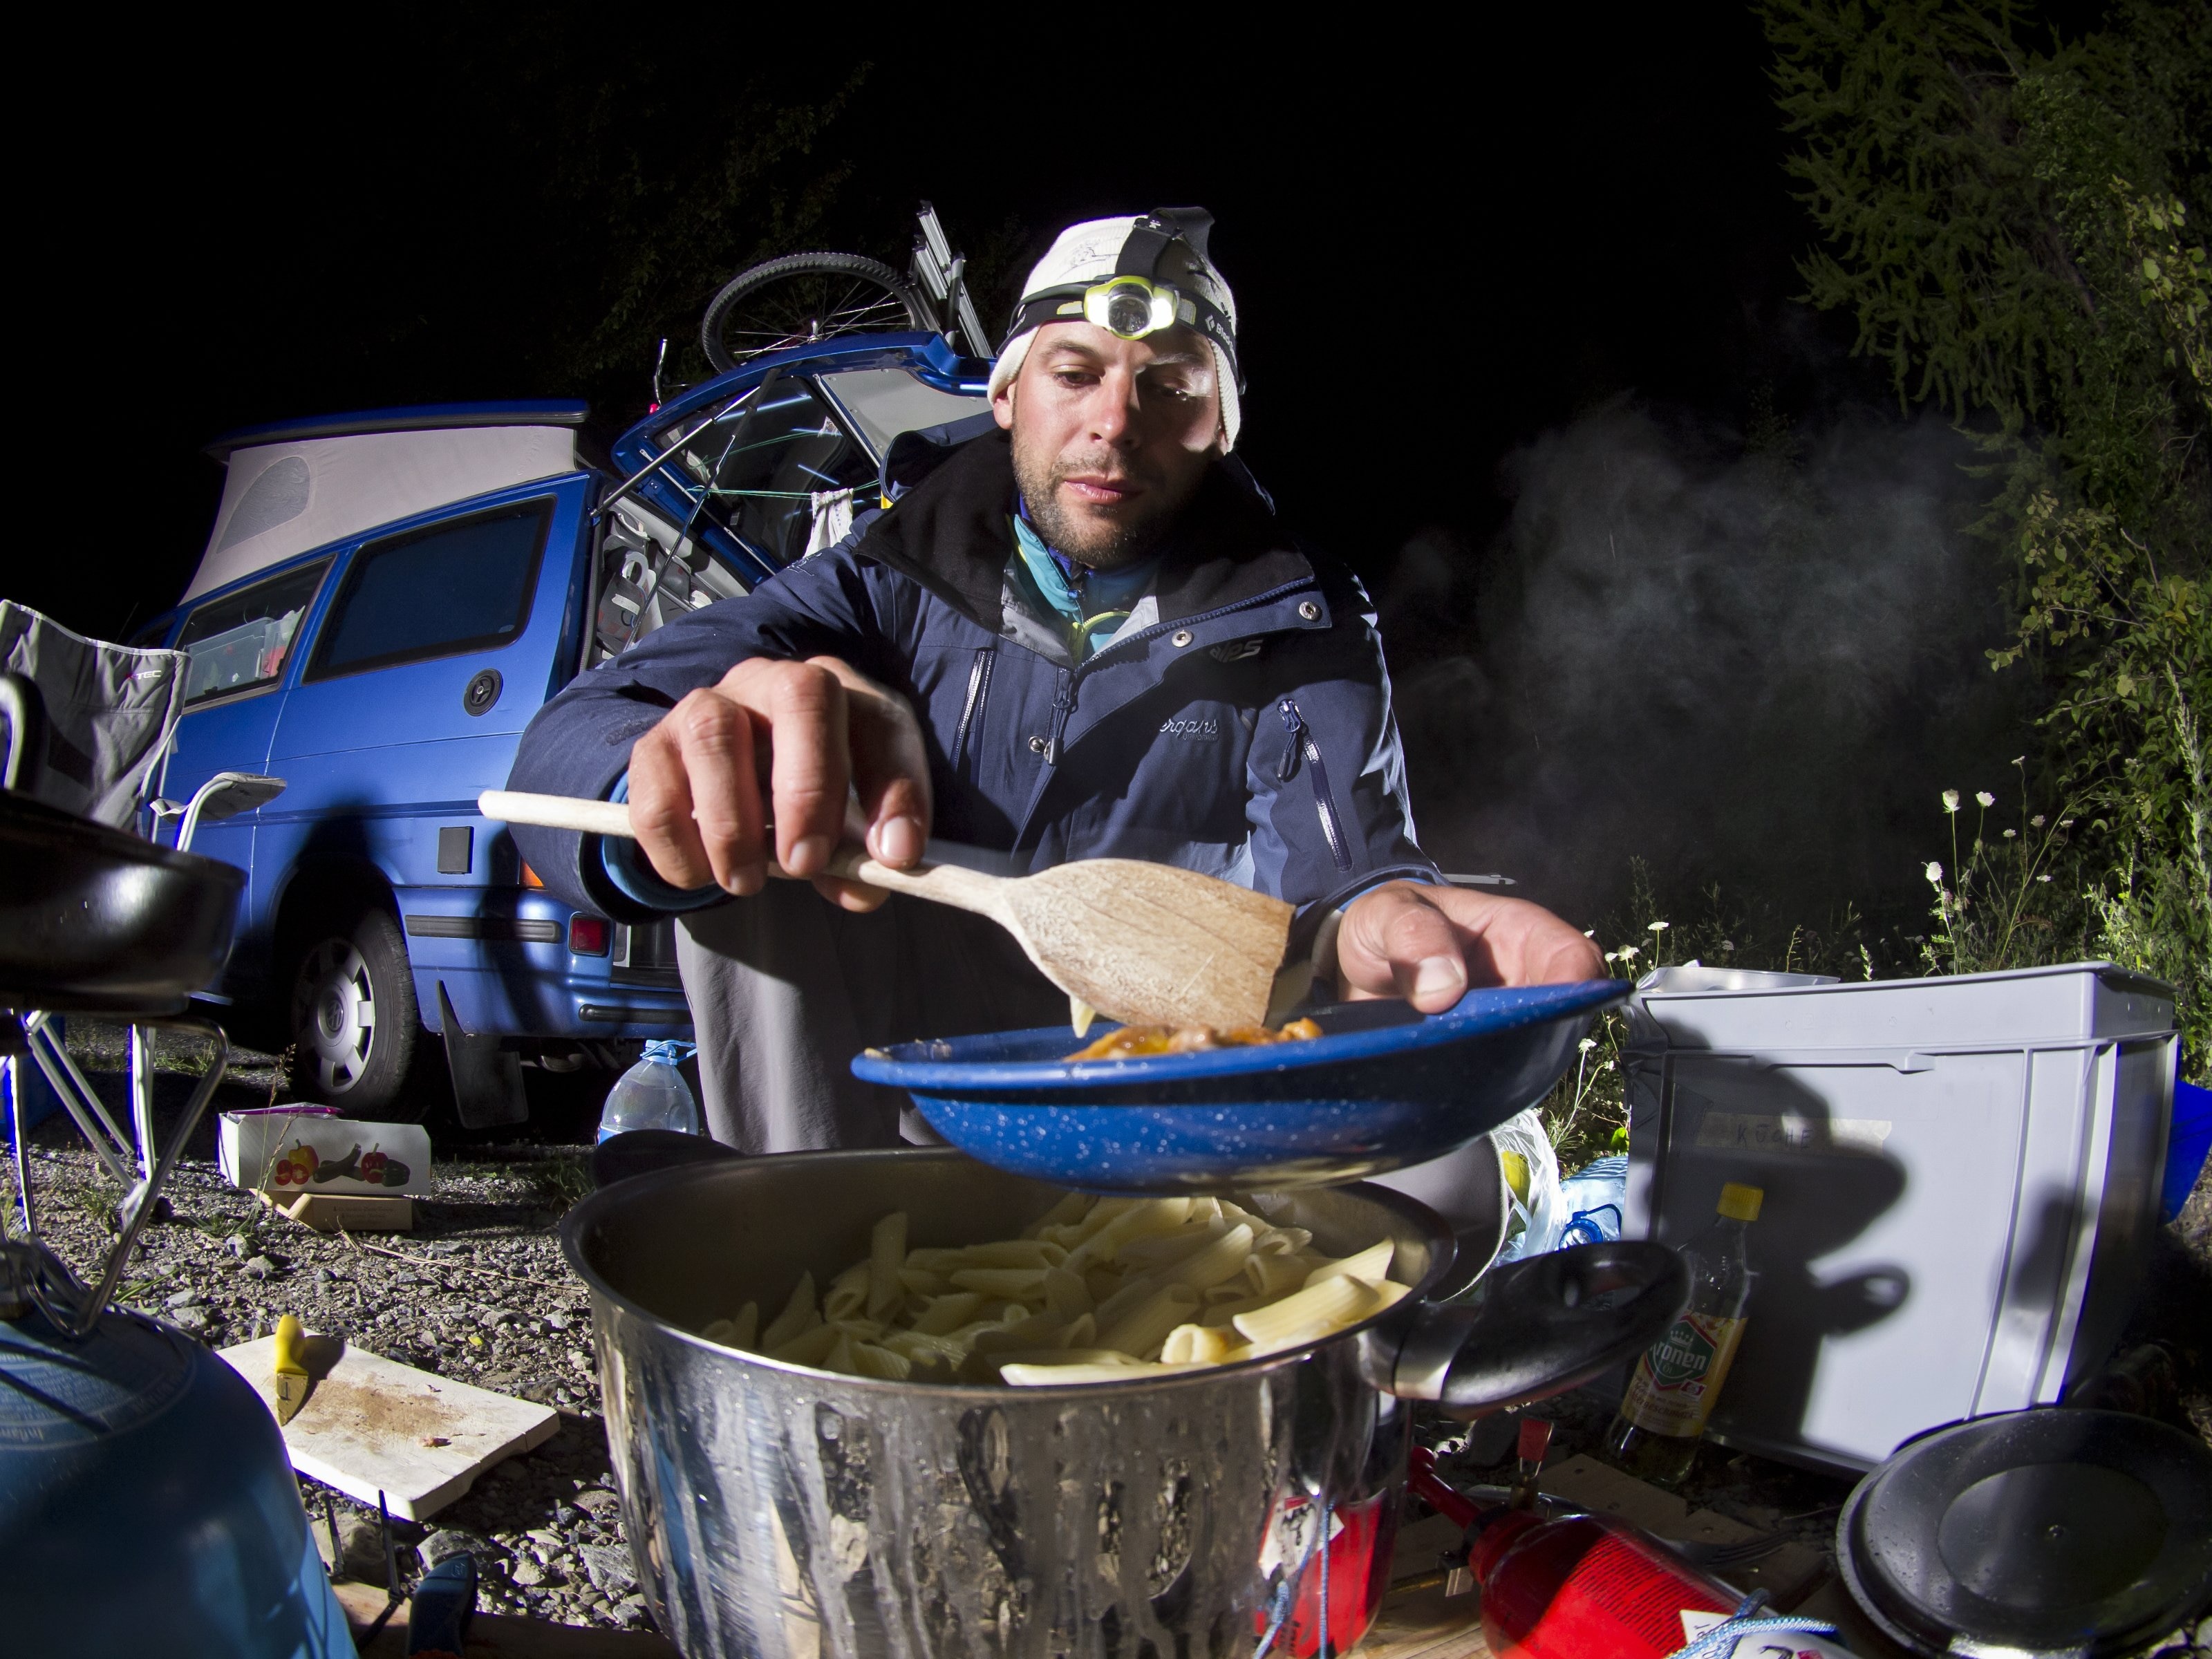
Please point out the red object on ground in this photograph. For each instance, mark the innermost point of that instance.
(1359, 1577)
(1421, 1480)
(1591, 1588)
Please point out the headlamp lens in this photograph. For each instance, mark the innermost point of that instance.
(1130, 306)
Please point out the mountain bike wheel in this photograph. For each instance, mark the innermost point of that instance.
(804, 297)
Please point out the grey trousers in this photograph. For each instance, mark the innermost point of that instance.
(786, 988)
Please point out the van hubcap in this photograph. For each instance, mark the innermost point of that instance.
(334, 1014)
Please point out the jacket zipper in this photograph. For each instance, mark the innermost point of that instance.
(1063, 703)
(1301, 743)
(979, 688)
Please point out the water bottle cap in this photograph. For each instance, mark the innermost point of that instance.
(668, 1051)
(1740, 1203)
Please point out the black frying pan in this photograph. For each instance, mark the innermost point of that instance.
(95, 921)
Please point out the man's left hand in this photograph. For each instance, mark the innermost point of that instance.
(1429, 945)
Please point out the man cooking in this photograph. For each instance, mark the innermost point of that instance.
(1078, 631)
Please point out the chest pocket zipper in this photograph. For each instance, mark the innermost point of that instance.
(972, 710)
(1302, 746)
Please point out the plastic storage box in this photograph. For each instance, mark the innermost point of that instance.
(1961, 1176)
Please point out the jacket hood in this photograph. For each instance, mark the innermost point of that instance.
(947, 532)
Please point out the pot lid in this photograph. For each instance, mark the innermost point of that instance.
(2045, 1532)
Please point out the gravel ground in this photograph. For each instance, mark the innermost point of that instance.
(480, 1292)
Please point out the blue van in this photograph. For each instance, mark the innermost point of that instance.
(386, 600)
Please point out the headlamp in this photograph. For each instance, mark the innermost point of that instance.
(1133, 307)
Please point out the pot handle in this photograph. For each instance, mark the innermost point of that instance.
(1538, 1327)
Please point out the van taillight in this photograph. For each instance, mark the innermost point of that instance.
(588, 936)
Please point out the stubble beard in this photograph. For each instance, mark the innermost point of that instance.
(1101, 544)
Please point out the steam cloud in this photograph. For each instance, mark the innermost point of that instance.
(1754, 665)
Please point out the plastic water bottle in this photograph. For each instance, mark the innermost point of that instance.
(652, 1094)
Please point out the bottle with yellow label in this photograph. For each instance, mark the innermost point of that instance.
(1655, 1436)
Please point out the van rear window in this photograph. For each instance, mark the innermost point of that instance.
(437, 592)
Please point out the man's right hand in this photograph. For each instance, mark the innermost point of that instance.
(801, 734)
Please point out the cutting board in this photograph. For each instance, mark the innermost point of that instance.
(371, 1425)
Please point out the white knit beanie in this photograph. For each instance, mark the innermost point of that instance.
(1091, 253)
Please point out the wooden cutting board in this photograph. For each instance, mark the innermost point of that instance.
(371, 1425)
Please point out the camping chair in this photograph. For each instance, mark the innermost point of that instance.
(89, 729)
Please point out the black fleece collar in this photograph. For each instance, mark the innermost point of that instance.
(949, 533)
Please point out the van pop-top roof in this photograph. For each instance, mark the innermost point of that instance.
(300, 484)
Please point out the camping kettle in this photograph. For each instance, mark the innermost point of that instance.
(145, 1494)
(147, 1501)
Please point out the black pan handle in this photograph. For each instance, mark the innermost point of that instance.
(1538, 1327)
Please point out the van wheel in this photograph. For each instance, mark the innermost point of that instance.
(356, 1031)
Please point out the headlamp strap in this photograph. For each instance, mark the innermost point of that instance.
(1151, 236)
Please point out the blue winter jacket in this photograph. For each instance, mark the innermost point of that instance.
(1243, 728)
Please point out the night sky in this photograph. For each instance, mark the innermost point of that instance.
(1445, 243)
(1441, 245)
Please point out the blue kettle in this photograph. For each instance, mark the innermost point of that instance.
(147, 1502)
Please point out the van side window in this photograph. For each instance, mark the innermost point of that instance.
(454, 587)
(241, 642)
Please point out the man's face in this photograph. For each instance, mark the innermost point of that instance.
(1111, 436)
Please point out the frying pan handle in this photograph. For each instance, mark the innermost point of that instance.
(1540, 1326)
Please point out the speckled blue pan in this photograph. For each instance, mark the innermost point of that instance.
(1383, 1087)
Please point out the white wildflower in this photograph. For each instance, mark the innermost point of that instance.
(2036, 822)
(2065, 824)
(1728, 945)
(1657, 928)
(1950, 800)
(2010, 834)
(1607, 1066)
(1591, 932)
(1935, 874)
(1984, 799)
(1629, 953)
(2043, 879)
(1586, 1044)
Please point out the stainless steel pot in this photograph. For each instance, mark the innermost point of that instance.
(777, 1511)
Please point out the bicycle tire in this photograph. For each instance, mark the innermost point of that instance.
(803, 297)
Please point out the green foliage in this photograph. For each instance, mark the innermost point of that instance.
(2012, 228)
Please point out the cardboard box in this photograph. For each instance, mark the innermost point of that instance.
(289, 1152)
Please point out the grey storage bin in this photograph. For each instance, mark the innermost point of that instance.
(1961, 1178)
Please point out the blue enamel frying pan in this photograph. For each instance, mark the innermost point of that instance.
(1383, 1087)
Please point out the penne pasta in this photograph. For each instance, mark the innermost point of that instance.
(870, 1360)
(948, 1313)
(1305, 1315)
(1095, 1290)
(1197, 1344)
(799, 1315)
(1064, 1293)
(1219, 1262)
(1273, 1275)
(1143, 1328)
(1369, 1264)
(848, 1293)
(1008, 1282)
(811, 1347)
(886, 1255)
(1045, 1376)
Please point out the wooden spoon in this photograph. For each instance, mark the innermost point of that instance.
(1147, 944)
